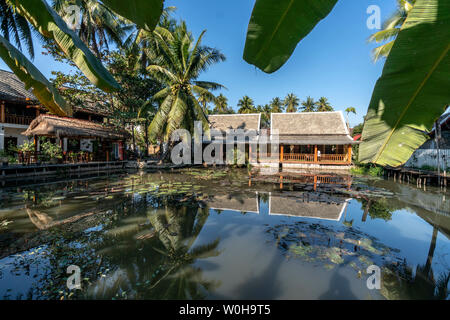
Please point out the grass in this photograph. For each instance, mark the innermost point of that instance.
(368, 170)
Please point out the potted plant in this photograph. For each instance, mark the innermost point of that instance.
(51, 152)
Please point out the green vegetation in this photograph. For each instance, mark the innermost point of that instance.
(368, 169)
(391, 29)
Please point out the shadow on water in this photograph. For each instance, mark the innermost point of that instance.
(339, 287)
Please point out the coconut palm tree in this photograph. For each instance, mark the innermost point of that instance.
(265, 111)
(276, 105)
(221, 104)
(291, 102)
(323, 105)
(180, 61)
(14, 26)
(204, 98)
(347, 111)
(246, 105)
(99, 25)
(309, 105)
(391, 28)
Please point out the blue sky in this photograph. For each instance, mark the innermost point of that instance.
(332, 61)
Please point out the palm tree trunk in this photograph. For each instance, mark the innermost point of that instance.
(147, 142)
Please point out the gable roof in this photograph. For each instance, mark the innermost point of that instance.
(50, 125)
(310, 128)
(225, 122)
(12, 89)
(309, 123)
(310, 206)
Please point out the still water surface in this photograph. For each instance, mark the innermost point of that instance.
(222, 234)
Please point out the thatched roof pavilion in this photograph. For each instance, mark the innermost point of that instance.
(55, 126)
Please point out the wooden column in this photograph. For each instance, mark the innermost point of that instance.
(315, 154)
(349, 151)
(249, 153)
(2, 112)
(281, 153)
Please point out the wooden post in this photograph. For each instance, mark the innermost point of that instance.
(38, 112)
(249, 153)
(2, 112)
(315, 182)
(349, 150)
(281, 153)
(315, 154)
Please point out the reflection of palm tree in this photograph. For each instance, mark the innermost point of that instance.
(177, 230)
(422, 285)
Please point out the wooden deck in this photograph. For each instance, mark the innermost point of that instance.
(21, 174)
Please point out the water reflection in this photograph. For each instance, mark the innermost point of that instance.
(203, 234)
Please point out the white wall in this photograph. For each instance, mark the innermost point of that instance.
(428, 157)
(6, 132)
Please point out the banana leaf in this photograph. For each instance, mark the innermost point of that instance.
(414, 88)
(33, 78)
(52, 26)
(144, 13)
(276, 27)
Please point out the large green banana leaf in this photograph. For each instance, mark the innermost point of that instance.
(33, 78)
(52, 26)
(144, 13)
(276, 27)
(414, 88)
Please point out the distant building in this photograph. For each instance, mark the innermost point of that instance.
(426, 155)
(23, 118)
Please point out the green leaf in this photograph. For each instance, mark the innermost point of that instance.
(33, 78)
(276, 27)
(144, 13)
(52, 26)
(413, 90)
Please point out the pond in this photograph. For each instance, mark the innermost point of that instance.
(224, 234)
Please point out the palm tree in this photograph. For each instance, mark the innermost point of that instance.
(246, 105)
(391, 28)
(180, 63)
(204, 98)
(347, 111)
(323, 105)
(265, 115)
(99, 25)
(291, 102)
(221, 104)
(276, 105)
(13, 25)
(309, 105)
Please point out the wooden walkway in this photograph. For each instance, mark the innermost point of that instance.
(18, 174)
(420, 177)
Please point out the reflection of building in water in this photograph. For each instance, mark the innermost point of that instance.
(308, 205)
(295, 204)
(247, 202)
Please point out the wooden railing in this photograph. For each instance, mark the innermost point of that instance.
(332, 158)
(15, 119)
(309, 158)
(301, 157)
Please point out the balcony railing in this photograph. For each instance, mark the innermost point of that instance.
(309, 158)
(16, 119)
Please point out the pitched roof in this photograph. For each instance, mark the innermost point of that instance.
(50, 125)
(242, 202)
(225, 122)
(306, 128)
(12, 89)
(309, 206)
(309, 123)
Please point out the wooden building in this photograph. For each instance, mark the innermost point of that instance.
(233, 125)
(23, 118)
(101, 141)
(312, 138)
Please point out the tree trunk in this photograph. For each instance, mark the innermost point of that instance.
(133, 139)
(147, 142)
